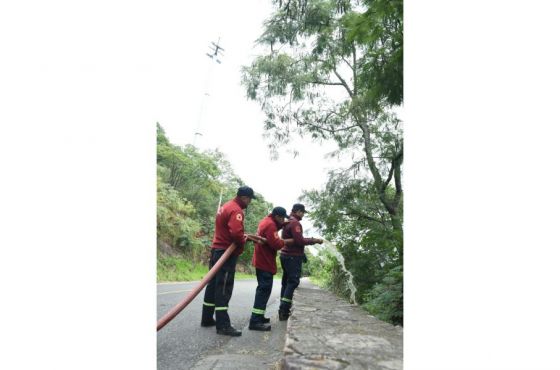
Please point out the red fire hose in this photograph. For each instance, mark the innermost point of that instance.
(185, 301)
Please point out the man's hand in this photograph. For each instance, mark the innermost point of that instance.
(318, 240)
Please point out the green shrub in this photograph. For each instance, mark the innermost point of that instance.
(175, 224)
(385, 299)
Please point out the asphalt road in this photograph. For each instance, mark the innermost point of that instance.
(184, 344)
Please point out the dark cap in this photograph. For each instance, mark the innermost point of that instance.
(280, 211)
(246, 191)
(298, 207)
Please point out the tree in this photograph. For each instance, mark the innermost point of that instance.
(350, 215)
(195, 175)
(176, 224)
(333, 70)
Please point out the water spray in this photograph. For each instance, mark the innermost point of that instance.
(331, 248)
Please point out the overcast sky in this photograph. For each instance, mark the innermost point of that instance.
(228, 121)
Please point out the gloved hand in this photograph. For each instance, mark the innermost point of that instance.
(304, 258)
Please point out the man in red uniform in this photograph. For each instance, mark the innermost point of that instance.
(291, 258)
(264, 260)
(229, 229)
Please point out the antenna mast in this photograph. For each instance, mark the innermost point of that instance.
(216, 52)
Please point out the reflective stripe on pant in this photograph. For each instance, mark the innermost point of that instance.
(262, 294)
(291, 266)
(218, 291)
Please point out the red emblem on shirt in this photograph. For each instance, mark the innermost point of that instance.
(298, 229)
(239, 217)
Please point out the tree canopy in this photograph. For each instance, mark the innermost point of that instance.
(328, 74)
(333, 70)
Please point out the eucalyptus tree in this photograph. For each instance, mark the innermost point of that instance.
(332, 69)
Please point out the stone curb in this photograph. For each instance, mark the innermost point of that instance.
(325, 332)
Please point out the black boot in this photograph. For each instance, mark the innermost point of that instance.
(266, 320)
(229, 330)
(283, 316)
(259, 326)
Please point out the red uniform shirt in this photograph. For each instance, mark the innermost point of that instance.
(264, 256)
(294, 231)
(229, 226)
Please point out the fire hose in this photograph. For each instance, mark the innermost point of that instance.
(185, 301)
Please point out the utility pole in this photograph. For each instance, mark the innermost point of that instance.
(216, 52)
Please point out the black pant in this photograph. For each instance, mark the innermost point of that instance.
(264, 288)
(218, 291)
(291, 265)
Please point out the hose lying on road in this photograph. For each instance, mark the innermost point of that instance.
(185, 301)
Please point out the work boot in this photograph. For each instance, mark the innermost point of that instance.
(259, 326)
(231, 331)
(283, 316)
(266, 320)
(207, 323)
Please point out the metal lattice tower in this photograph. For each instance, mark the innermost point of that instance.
(216, 52)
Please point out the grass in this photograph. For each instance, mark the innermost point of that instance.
(318, 281)
(179, 269)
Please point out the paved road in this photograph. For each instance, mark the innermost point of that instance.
(184, 344)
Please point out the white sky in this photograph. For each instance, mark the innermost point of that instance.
(229, 121)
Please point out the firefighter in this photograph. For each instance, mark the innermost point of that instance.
(291, 258)
(264, 260)
(229, 229)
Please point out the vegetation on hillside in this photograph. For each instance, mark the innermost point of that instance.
(189, 184)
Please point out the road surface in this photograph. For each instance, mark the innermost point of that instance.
(184, 344)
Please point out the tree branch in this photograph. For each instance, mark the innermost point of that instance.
(398, 184)
(323, 121)
(343, 83)
(332, 130)
(390, 175)
(347, 63)
(360, 215)
(354, 69)
(326, 83)
(378, 181)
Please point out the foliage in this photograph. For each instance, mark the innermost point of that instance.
(175, 222)
(379, 30)
(385, 300)
(352, 47)
(179, 269)
(195, 176)
(352, 218)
